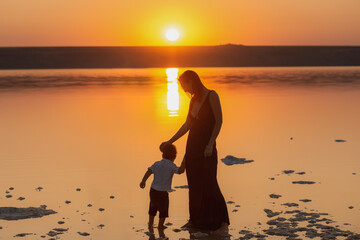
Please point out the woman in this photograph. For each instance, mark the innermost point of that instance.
(207, 205)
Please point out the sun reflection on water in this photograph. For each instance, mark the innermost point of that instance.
(173, 92)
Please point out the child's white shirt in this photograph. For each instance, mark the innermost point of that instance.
(163, 173)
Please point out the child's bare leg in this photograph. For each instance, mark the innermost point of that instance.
(161, 223)
(151, 220)
(161, 233)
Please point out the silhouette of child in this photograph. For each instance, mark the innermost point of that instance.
(163, 173)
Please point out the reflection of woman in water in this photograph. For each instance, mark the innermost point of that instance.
(207, 205)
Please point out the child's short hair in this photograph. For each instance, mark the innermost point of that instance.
(169, 151)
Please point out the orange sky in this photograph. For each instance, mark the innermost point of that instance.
(140, 22)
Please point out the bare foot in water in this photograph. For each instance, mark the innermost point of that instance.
(222, 230)
(151, 230)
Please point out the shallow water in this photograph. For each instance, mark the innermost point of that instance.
(99, 129)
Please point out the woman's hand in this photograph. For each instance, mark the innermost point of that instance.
(208, 150)
(142, 184)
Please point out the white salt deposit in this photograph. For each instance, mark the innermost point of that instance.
(83, 233)
(101, 226)
(303, 182)
(231, 160)
(275, 195)
(290, 204)
(23, 234)
(13, 213)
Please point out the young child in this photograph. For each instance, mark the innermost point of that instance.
(163, 173)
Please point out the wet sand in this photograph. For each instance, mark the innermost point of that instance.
(290, 220)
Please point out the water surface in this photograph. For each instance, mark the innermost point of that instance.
(99, 130)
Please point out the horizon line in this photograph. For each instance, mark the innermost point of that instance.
(140, 46)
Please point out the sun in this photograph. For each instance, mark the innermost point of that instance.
(172, 34)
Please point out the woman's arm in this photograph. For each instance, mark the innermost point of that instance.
(182, 167)
(216, 108)
(183, 129)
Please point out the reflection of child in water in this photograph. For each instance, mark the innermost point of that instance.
(151, 234)
(163, 173)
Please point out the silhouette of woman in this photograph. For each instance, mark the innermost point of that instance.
(207, 205)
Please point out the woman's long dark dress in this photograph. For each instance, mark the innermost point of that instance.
(207, 205)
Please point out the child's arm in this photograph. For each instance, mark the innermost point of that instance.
(146, 176)
(182, 167)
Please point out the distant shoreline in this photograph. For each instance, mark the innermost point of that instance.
(177, 56)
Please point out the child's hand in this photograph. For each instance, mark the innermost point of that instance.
(142, 184)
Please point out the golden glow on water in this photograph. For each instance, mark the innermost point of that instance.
(172, 92)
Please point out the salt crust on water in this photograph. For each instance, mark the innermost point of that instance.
(274, 195)
(14, 213)
(231, 160)
(303, 182)
(288, 226)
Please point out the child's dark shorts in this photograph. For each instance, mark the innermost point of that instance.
(159, 201)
